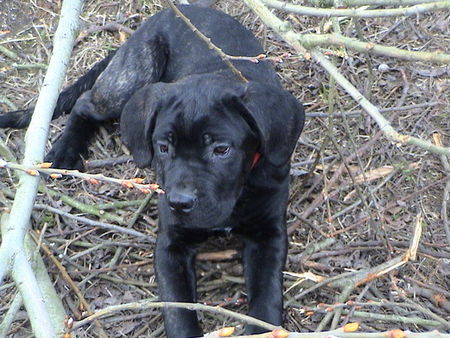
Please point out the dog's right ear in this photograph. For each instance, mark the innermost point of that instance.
(137, 122)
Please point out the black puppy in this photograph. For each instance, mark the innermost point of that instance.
(221, 148)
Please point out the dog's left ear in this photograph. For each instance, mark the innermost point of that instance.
(274, 114)
(137, 122)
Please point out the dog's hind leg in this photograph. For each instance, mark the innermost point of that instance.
(134, 65)
(21, 118)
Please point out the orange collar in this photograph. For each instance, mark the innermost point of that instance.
(256, 159)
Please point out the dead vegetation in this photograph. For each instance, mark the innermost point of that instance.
(355, 202)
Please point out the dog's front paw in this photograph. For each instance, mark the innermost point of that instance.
(67, 154)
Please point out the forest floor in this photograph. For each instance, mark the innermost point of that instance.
(356, 198)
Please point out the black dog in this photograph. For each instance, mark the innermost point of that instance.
(221, 148)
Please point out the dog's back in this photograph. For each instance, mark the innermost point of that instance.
(187, 55)
(223, 30)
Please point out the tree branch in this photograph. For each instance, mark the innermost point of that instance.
(150, 304)
(359, 3)
(93, 223)
(338, 40)
(283, 29)
(358, 12)
(12, 252)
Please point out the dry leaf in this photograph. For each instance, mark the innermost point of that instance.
(380, 172)
(437, 139)
(397, 333)
(280, 333)
(439, 299)
(374, 174)
(416, 239)
(351, 327)
(226, 331)
(93, 181)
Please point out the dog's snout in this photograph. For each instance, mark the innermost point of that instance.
(181, 201)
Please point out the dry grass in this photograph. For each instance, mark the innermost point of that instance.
(119, 268)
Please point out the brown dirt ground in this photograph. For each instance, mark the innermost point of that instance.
(366, 223)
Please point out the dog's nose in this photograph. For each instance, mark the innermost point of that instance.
(181, 201)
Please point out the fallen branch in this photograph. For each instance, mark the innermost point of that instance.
(93, 223)
(373, 111)
(338, 40)
(9, 53)
(12, 252)
(150, 304)
(353, 279)
(341, 333)
(358, 12)
(69, 281)
(284, 30)
(346, 331)
(382, 110)
(85, 208)
(10, 315)
(44, 168)
(359, 3)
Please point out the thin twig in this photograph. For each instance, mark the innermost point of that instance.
(382, 110)
(83, 207)
(9, 316)
(90, 222)
(45, 169)
(207, 40)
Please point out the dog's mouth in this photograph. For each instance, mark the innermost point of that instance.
(207, 216)
(197, 220)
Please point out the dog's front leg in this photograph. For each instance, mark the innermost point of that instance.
(175, 273)
(264, 256)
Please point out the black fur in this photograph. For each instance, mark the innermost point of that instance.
(185, 112)
(66, 100)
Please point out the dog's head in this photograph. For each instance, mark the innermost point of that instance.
(204, 135)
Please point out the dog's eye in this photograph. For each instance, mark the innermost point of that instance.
(221, 150)
(163, 148)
